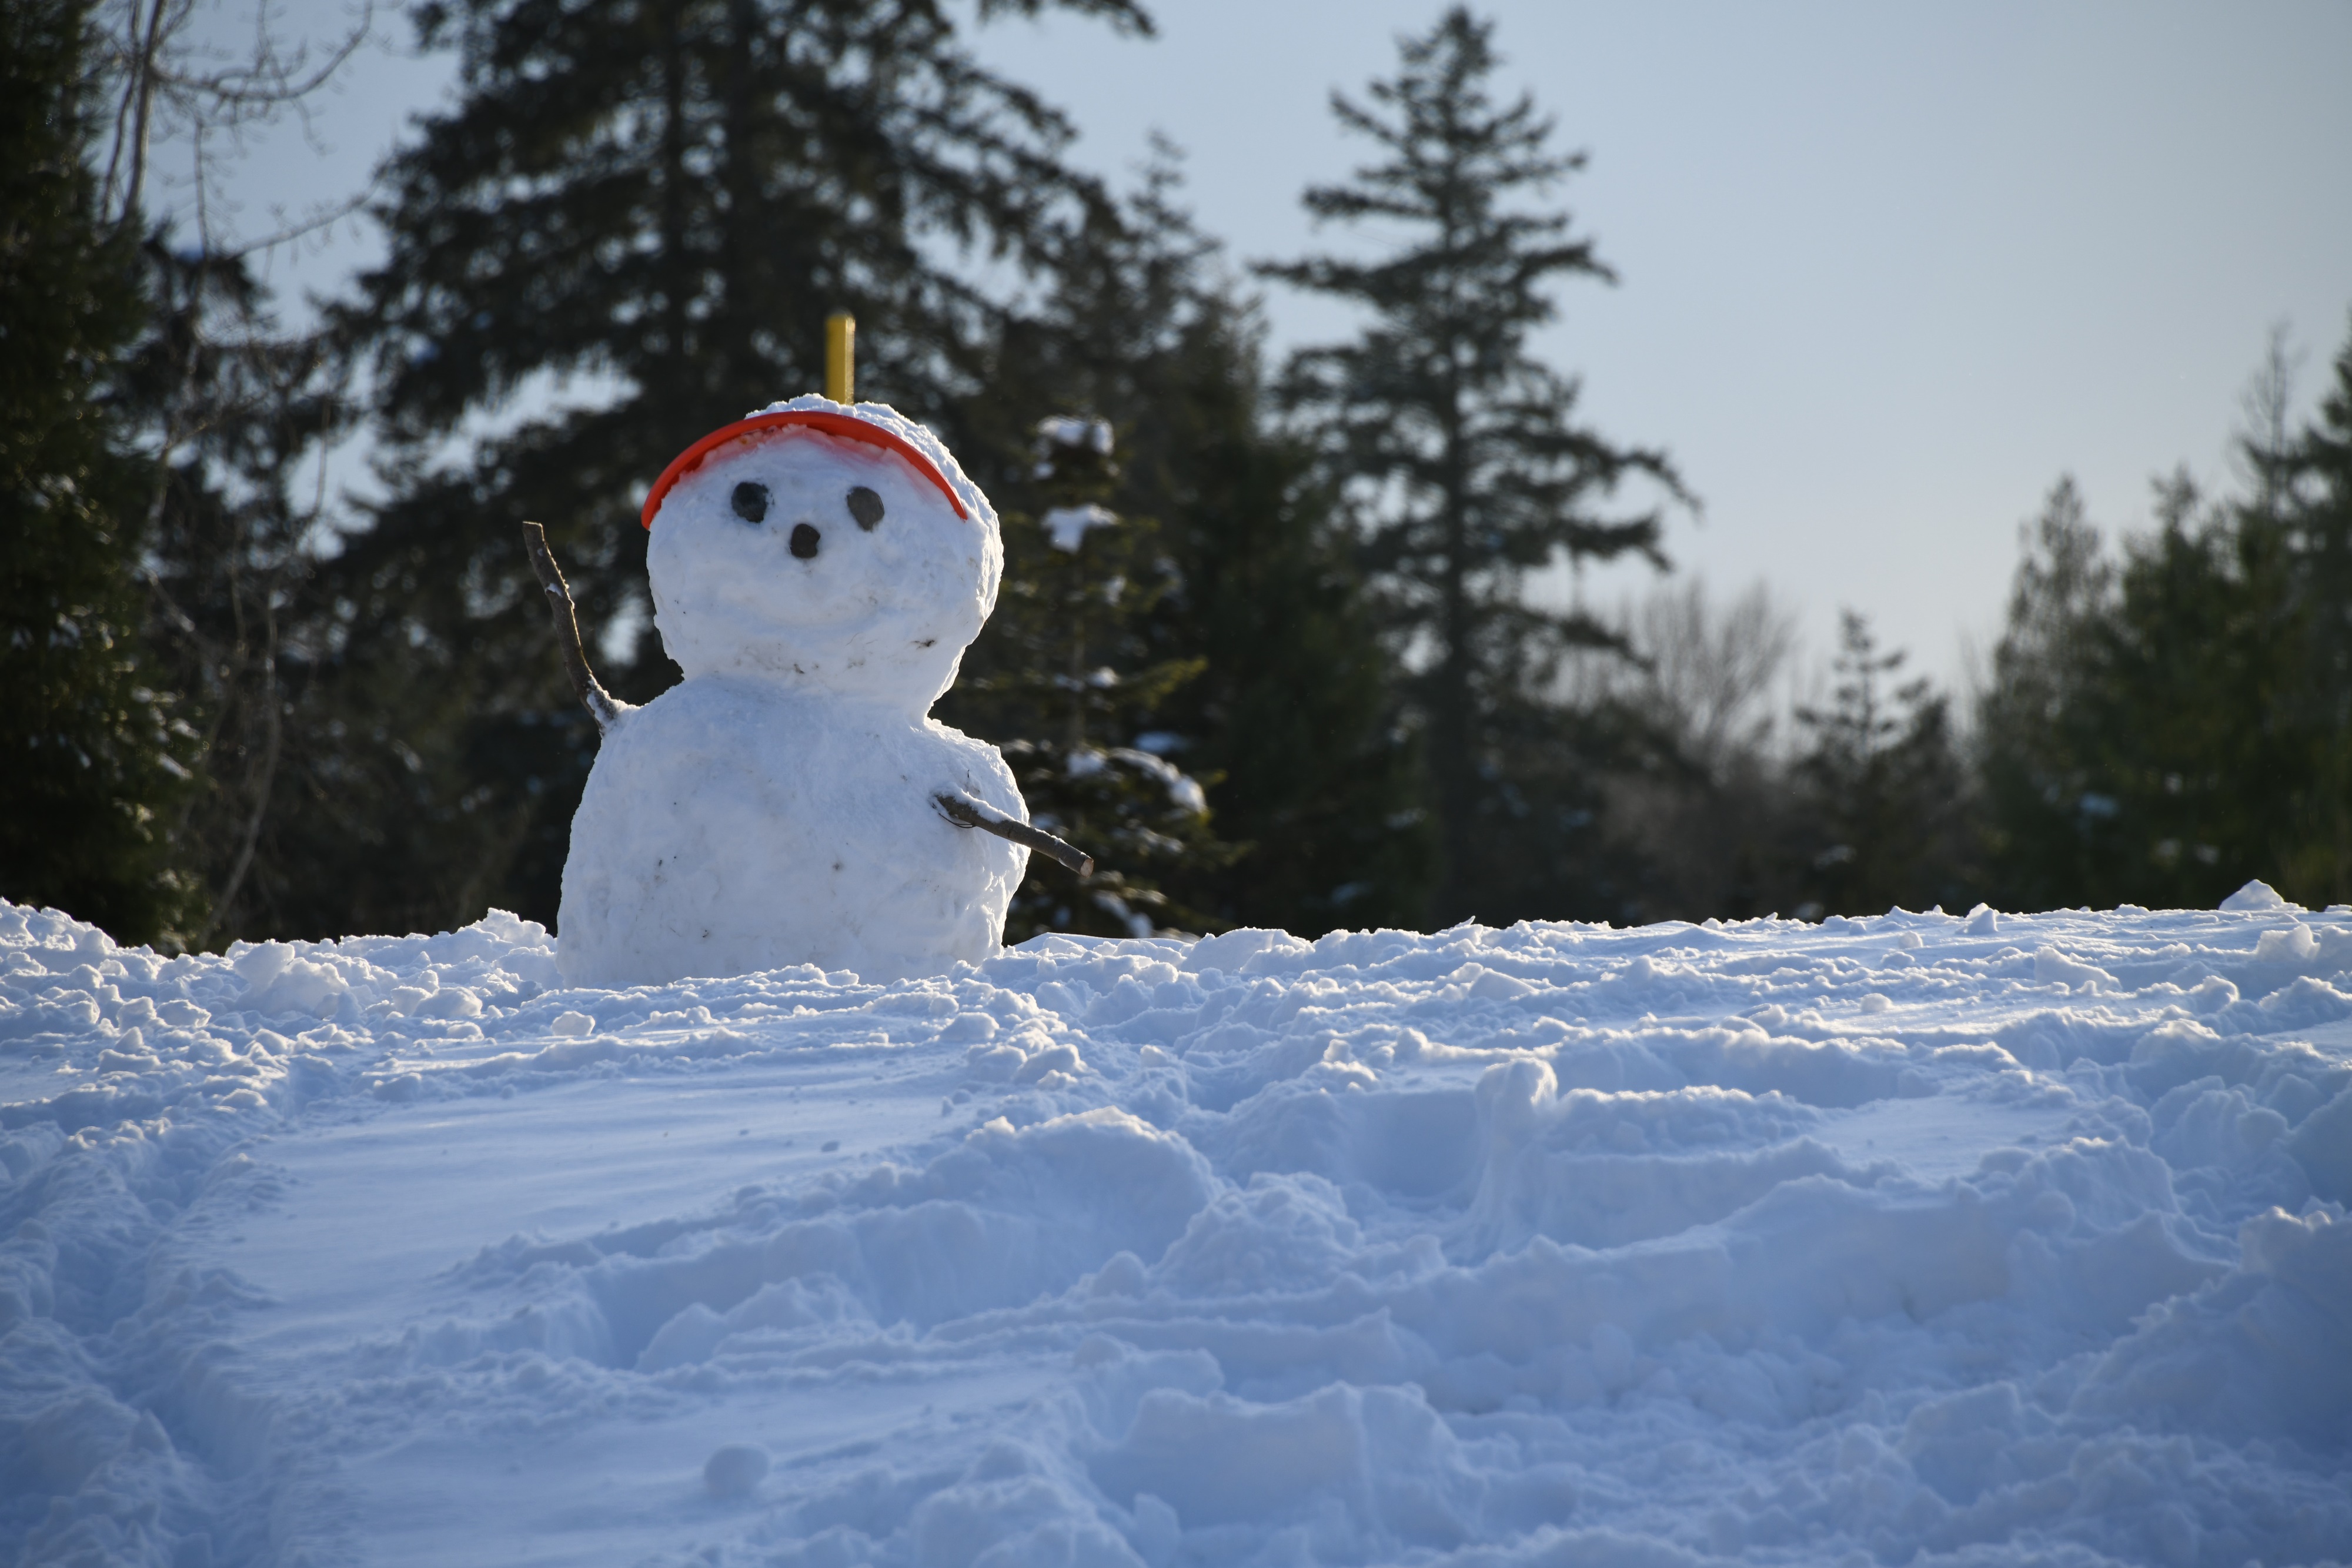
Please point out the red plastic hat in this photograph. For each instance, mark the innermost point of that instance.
(848, 427)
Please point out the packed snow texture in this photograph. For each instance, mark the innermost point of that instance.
(1917, 1239)
(778, 807)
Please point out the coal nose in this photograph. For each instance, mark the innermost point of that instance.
(805, 541)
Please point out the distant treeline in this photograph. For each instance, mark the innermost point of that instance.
(1267, 644)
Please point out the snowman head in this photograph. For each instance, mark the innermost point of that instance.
(837, 548)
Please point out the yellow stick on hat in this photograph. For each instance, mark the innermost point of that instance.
(840, 356)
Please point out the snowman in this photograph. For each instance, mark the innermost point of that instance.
(818, 569)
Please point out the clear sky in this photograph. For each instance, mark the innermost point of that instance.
(1888, 270)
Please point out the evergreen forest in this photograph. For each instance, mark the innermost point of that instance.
(1270, 646)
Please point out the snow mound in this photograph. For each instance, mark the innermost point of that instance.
(2258, 897)
(1908, 1239)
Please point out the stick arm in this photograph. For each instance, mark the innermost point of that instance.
(592, 695)
(966, 812)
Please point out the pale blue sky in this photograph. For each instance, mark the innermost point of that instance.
(1888, 269)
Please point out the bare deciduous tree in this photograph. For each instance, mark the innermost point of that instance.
(221, 403)
(166, 84)
(1699, 800)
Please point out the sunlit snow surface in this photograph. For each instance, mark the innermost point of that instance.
(1908, 1239)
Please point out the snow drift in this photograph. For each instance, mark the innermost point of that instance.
(1908, 1239)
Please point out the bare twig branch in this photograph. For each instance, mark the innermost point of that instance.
(138, 58)
(593, 696)
(173, 85)
(324, 215)
(966, 812)
(273, 709)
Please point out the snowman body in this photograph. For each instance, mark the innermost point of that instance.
(779, 806)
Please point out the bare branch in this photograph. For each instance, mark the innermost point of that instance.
(272, 709)
(139, 57)
(593, 696)
(323, 216)
(171, 85)
(966, 812)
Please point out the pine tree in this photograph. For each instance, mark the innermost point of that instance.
(2161, 741)
(1291, 723)
(95, 756)
(2047, 818)
(664, 198)
(1295, 714)
(2318, 506)
(1885, 784)
(1465, 455)
(1065, 679)
(2188, 761)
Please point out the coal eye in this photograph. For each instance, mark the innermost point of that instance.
(752, 502)
(866, 506)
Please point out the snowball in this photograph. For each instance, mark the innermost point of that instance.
(882, 611)
(734, 825)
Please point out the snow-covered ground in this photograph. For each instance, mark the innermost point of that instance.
(1911, 1240)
